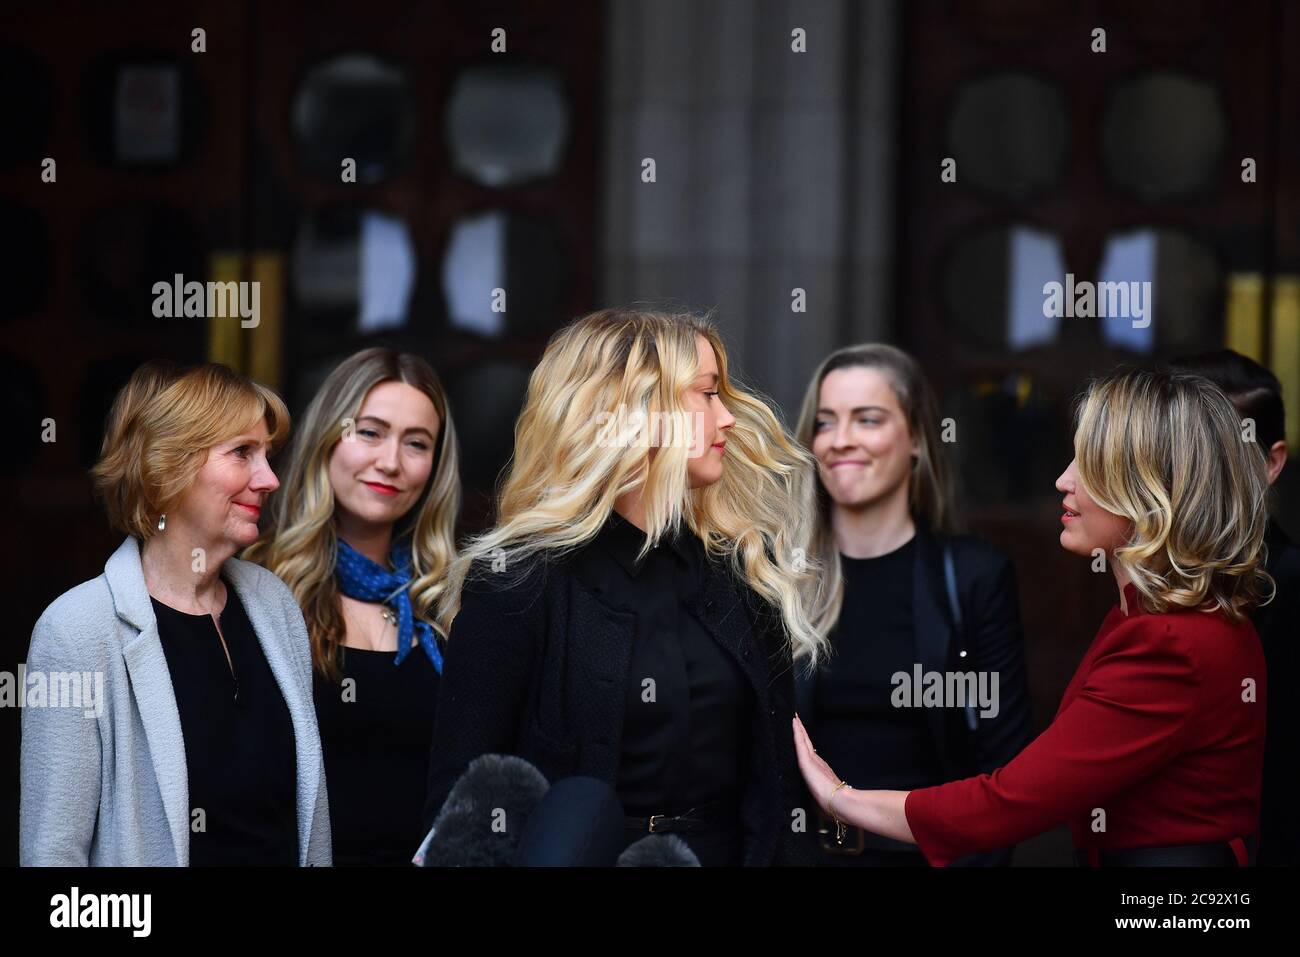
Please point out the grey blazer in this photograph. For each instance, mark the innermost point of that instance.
(112, 788)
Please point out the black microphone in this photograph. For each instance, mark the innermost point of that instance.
(659, 850)
(482, 821)
(579, 823)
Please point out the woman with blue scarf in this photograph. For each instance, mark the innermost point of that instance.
(362, 532)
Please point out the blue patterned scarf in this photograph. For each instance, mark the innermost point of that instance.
(362, 579)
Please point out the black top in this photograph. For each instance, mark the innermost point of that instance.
(869, 742)
(686, 724)
(376, 726)
(991, 638)
(240, 752)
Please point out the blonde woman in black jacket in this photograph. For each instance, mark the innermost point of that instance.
(635, 615)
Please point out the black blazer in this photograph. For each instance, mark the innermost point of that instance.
(994, 642)
(1278, 624)
(537, 666)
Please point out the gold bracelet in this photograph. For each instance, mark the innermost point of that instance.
(840, 829)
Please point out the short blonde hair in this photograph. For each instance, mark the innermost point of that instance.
(159, 430)
(1165, 450)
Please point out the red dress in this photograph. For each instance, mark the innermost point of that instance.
(1157, 730)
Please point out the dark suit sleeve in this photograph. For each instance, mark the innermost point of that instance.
(998, 644)
(797, 846)
(1278, 624)
(487, 674)
(797, 815)
(795, 810)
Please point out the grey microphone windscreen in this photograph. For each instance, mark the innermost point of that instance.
(482, 821)
(659, 850)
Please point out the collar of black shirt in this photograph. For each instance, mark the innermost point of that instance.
(624, 541)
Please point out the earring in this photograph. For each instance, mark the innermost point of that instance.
(162, 521)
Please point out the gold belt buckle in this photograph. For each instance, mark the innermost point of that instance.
(652, 821)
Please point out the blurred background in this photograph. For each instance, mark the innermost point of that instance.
(776, 169)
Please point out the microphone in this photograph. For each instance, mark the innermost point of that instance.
(481, 824)
(659, 850)
(579, 823)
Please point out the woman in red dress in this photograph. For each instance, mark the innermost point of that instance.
(1155, 754)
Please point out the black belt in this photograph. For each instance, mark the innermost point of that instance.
(1221, 854)
(703, 817)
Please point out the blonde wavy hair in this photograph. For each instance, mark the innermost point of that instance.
(1165, 451)
(159, 430)
(300, 540)
(565, 476)
(930, 488)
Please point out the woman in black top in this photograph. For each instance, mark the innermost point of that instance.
(201, 747)
(634, 615)
(884, 532)
(363, 533)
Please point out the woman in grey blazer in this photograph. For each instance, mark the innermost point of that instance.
(178, 727)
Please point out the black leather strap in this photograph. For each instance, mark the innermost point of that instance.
(704, 817)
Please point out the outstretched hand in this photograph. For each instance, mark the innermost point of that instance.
(821, 780)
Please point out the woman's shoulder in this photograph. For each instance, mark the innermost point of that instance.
(1206, 639)
(512, 581)
(975, 558)
(502, 601)
(75, 621)
(90, 597)
(257, 584)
